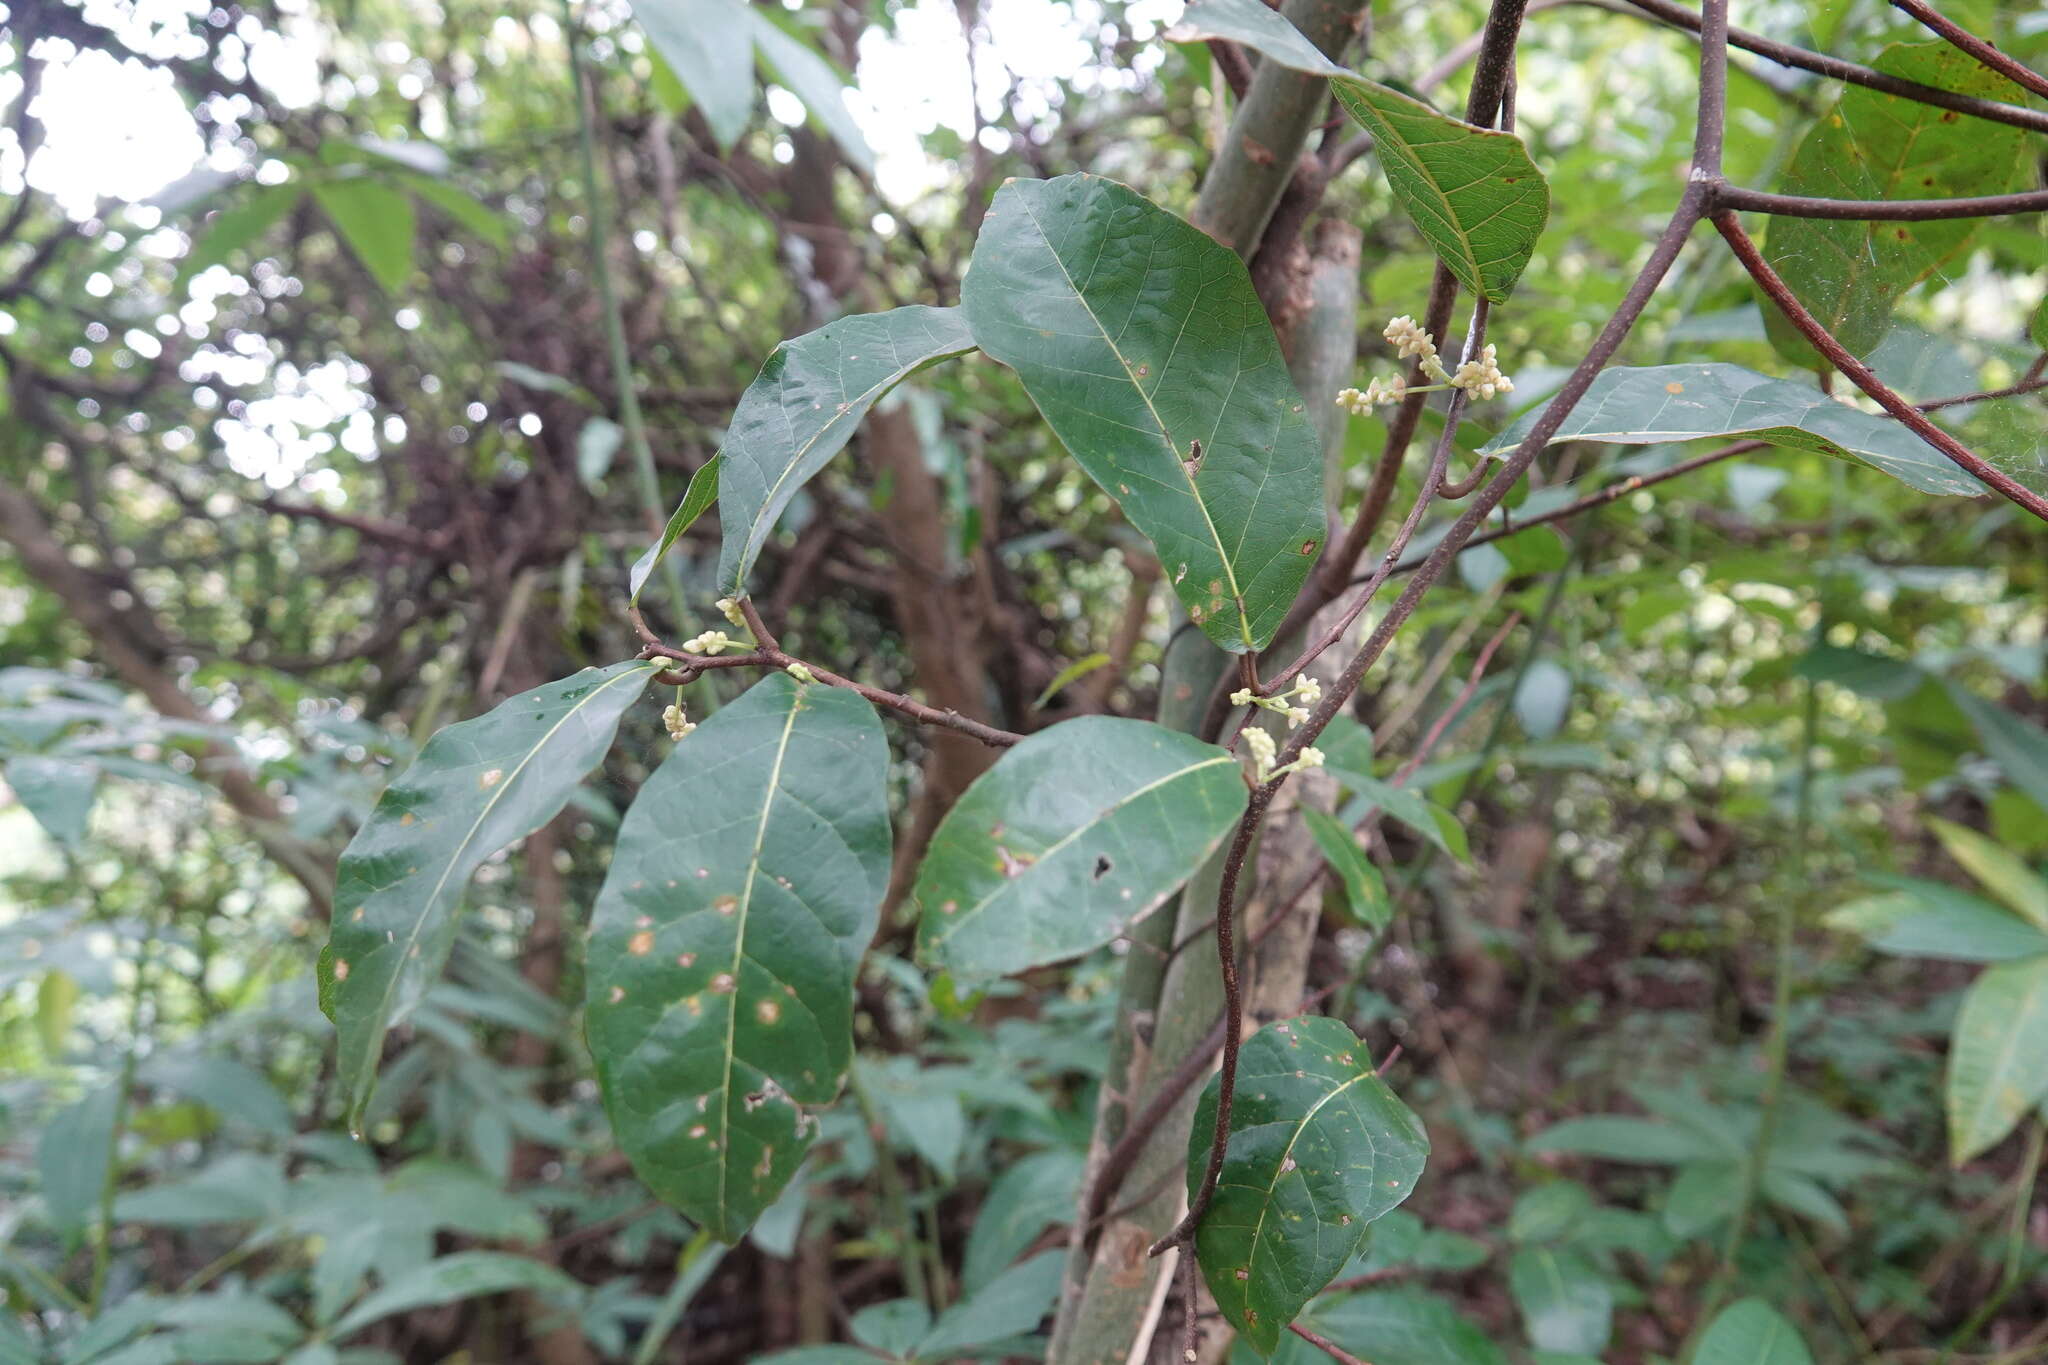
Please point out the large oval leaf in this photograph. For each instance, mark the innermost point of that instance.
(1751, 1332)
(1998, 1056)
(1877, 146)
(1142, 341)
(802, 409)
(1660, 403)
(747, 882)
(1472, 192)
(1319, 1147)
(1073, 836)
(474, 788)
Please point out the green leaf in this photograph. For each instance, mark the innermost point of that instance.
(2015, 743)
(1364, 889)
(597, 445)
(1660, 403)
(1997, 1065)
(1878, 146)
(233, 228)
(1405, 804)
(2038, 327)
(1930, 920)
(476, 786)
(1319, 1148)
(709, 45)
(747, 882)
(73, 1157)
(1999, 872)
(1067, 676)
(1142, 341)
(1472, 192)
(56, 1003)
(1616, 1137)
(1548, 1212)
(802, 409)
(462, 206)
(57, 791)
(1008, 1306)
(1400, 1327)
(811, 79)
(377, 223)
(1543, 699)
(1701, 1198)
(1750, 1332)
(1027, 1198)
(451, 1279)
(702, 492)
(894, 1327)
(1566, 1304)
(227, 1087)
(1072, 837)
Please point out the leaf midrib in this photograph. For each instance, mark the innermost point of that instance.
(1280, 1169)
(1244, 625)
(455, 855)
(953, 925)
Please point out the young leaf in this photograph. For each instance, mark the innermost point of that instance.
(709, 45)
(1566, 1304)
(1660, 403)
(1142, 341)
(1472, 192)
(1997, 1063)
(1999, 872)
(233, 228)
(702, 492)
(2015, 743)
(377, 223)
(476, 786)
(1319, 1147)
(1364, 888)
(803, 407)
(1067, 676)
(811, 79)
(1927, 919)
(748, 880)
(73, 1158)
(57, 791)
(1877, 146)
(1750, 1332)
(1072, 837)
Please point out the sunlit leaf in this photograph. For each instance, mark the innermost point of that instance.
(1319, 1148)
(1997, 1064)
(746, 884)
(1662, 403)
(1472, 192)
(709, 46)
(1142, 341)
(476, 786)
(1073, 836)
(377, 223)
(802, 409)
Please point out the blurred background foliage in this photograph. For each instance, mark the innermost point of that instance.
(311, 444)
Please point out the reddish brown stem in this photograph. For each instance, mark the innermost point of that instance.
(1863, 377)
(1988, 56)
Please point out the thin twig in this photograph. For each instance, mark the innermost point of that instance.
(1863, 377)
(1880, 210)
(1988, 56)
(1327, 1346)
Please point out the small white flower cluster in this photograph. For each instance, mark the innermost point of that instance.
(678, 724)
(730, 610)
(710, 642)
(1265, 751)
(1482, 378)
(1293, 703)
(800, 671)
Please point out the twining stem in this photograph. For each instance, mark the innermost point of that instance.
(1862, 376)
(1988, 56)
(621, 356)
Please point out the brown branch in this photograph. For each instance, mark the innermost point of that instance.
(1784, 54)
(1327, 1346)
(1863, 377)
(1987, 55)
(1231, 61)
(1880, 210)
(769, 655)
